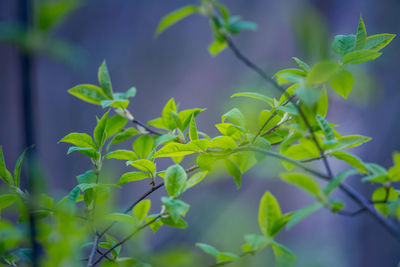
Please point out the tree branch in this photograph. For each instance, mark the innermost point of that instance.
(93, 251)
(124, 240)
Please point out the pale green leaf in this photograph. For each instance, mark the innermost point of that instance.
(269, 213)
(132, 176)
(234, 170)
(304, 182)
(378, 41)
(342, 82)
(89, 93)
(257, 96)
(352, 160)
(99, 133)
(141, 209)
(361, 36)
(360, 56)
(175, 16)
(80, 140)
(175, 178)
(143, 145)
(122, 155)
(322, 72)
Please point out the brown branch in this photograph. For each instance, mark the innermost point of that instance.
(124, 240)
(145, 195)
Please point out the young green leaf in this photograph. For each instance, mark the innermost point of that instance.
(115, 124)
(175, 178)
(79, 139)
(378, 41)
(235, 116)
(361, 36)
(193, 129)
(120, 217)
(132, 176)
(7, 200)
(143, 145)
(104, 80)
(124, 135)
(234, 170)
(301, 214)
(141, 209)
(89, 93)
(217, 47)
(284, 257)
(205, 162)
(175, 16)
(342, 82)
(326, 129)
(18, 165)
(360, 56)
(121, 155)
(304, 66)
(304, 182)
(143, 165)
(290, 76)
(269, 213)
(99, 133)
(194, 179)
(175, 208)
(90, 152)
(225, 257)
(115, 103)
(343, 44)
(322, 72)
(210, 250)
(352, 160)
(255, 242)
(384, 194)
(255, 95)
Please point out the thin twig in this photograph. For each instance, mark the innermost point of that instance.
(145, 195)
(105, 256)
(93, 251)
(141, 124)
(125, 239)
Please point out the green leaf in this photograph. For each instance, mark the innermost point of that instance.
(193, 129)
(342, 82)
(124, 135)
(234, 170)
(379, 173)
(361, 36)
(224, 142)
(255, 242)
(175, 208)
(143, 165)
(337, 180)
(343, 44)
(115, 103)
(194, 179)
(378, 41)
(104, 80)
(236, 117)
(289, 76)
(186, 115)
(178, 150)
(88, 177)
(79, 139)
(239, 26)
(169, 222)
(263, 144)
(165, 138)
(350, 141)
(269, 213)
(18, 165)
(384, 194)
(99, 133)
(166, 115)
(205, 162)
(283, 256)
(352, 160)
(360, 56)
(326, 129)
(89, 93)
(257, 96)
(132, 176)
(122, 155)
(175, 178)
(7, 200)
(210, 250)
(224, 257)
(115, 124)
(301, 214)
(304, 66)
(217, 47)
(322, 72)
(155, 225)
(304, 182)
(141, 209)
(90, 152)
(143, 145)
(175, 16)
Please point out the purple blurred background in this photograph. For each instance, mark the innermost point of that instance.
(177, 64)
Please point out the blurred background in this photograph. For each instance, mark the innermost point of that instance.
(177, 64)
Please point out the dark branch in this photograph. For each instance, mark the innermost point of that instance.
(124, 240)
(93, 251)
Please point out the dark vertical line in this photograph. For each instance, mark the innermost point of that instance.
(26, 61)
